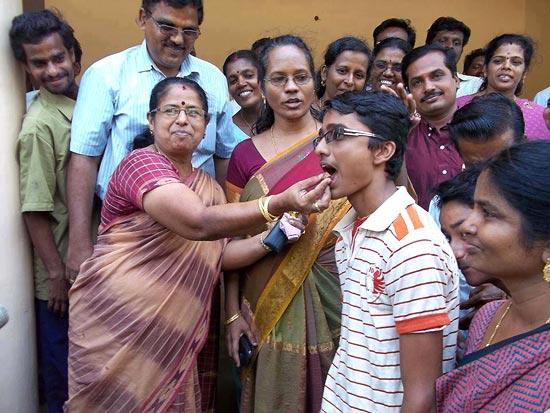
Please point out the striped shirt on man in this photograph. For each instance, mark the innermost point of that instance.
(398, 276)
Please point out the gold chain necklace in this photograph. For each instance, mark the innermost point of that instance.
(274, 142)
(246, 123)
(500, 321)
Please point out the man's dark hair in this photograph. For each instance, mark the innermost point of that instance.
(471, 56)
(460, 188)
(485, 118)
(148, 6)
(404, 24)
(419, 52)
(32, 27)
(384, 115)
(448, 24)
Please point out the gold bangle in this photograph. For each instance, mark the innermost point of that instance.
(262, 243)
(263, 206)
(233, 318)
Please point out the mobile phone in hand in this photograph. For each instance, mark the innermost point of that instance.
(246, 350)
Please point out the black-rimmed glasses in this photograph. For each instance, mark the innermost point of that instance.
(338, 133)
(171, 31)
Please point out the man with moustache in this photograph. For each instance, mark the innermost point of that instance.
(112, 106)
(430, 74)
(46, 47)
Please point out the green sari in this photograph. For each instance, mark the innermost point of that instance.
(292, 299)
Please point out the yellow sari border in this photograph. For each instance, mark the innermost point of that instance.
(295, 267)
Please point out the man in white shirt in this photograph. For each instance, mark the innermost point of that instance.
(112, 105)
(454, 34)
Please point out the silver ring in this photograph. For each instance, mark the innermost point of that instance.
(316, 206)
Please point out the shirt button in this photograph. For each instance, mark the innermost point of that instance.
(442, 147)
(444, 172)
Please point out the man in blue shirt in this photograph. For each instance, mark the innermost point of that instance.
(112, 105)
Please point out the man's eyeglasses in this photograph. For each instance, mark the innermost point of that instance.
(281, 80)
(338, 133)
(170, 111)
(383, 66)
(171, 31)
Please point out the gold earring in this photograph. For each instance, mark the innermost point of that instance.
(323, 83)
(546, 271)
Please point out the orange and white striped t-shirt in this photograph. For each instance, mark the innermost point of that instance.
(398, 275)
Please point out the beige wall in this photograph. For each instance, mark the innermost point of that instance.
(17, 339)
(106, 26)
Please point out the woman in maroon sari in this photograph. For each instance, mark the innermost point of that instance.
(140, 307)
(507, 362)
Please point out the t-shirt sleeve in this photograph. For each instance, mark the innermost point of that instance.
(37, 177)
(141, 172)
(415, 282)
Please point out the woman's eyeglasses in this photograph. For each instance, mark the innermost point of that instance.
(171, 31)
(383, 66)
(338, 133)
(281, 80)
(169, 111)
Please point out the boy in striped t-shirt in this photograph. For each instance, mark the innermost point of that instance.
(398, 275)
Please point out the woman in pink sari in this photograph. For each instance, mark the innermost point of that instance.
(507, 61)
(140, 307)
(507, 363)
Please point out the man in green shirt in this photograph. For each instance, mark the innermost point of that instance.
(50, 54)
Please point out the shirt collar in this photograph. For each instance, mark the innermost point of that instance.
(145, 64)
(381, 219)
(64, 104)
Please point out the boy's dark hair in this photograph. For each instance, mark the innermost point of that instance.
(471, 56)
(148, 5)
(460, 188)
(384, 115)
(449, 24)
(404, 24)
(335, 49)
(419, 52)
(32, 27)
(485, 118)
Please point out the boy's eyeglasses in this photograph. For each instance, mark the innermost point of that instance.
(281, 80)
(174, 111)
(338, 133)
(171, 31)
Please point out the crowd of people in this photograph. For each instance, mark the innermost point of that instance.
(369, 235)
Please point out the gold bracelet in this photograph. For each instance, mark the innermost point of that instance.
(233, 318)
(263, 244)
(263, 206)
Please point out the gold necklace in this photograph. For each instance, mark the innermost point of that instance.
(246, 123)
(500, 321)
(274, 143)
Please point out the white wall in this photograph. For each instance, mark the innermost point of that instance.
(18, 393)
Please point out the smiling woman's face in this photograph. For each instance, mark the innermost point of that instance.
(495, 237)
(178, 136)
(242, 81)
